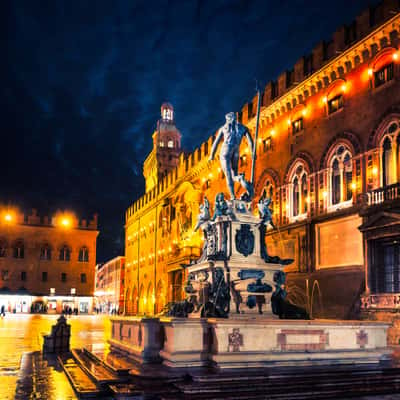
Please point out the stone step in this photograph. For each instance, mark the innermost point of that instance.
(116, 363)
(295, 387)
(94, 368)
(82, 383)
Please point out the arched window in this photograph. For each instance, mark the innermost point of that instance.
(170, 144)
(65, 253)
(18, 249)
(387, 162)
(45, 252)
(340, 177)
(298, 195)
(3, 248)
(83, 254)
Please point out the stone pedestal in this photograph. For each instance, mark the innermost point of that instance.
(140, 337)
(185, 342)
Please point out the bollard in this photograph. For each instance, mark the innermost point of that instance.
(58, 340)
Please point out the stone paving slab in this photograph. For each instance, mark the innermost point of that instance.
(40, 378)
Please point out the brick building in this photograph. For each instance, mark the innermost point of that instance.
(328, 156)
(109, 286)
(46, 264)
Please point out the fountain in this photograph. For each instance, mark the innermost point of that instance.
(236, 324)
(237, 314)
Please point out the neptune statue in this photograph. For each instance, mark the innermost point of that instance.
(232, 133)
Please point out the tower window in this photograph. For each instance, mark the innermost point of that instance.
(170, 144)
(83, 254)
(161, 143)
(44, 276)
(63, 277)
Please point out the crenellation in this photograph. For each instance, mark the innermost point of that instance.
(338, 41)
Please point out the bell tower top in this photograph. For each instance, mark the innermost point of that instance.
(167, 112)
(166, 148)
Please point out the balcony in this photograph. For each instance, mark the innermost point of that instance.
(383, 194)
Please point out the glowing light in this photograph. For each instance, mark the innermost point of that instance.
(325, 193)
(304, 112)
(259, 140)
(375, 171)
(344, 88)
(308, 200)
(8, 217)
(273, 132)
(289, 121)
(204, 180)
(219, 169)
(325, 99)
(370, 71)
(66, 222)
(210, 175)
(395, 56)
(353, 186)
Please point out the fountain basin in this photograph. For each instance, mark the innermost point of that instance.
(250, 342)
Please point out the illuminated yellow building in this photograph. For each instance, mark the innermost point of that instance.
(46, 264)
(328, 151)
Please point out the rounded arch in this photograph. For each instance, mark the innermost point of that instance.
(297, 111)
(159, 297)
(383, 57)
(301, 157)
(141, 302)
(128, 303)
(134, 300)
(350, 140)
(266, 174)
(390, 116)
(149, 303)
(335, 88)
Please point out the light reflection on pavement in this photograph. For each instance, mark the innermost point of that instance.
(21, 333)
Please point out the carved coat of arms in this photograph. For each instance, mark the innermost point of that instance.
(244, 240)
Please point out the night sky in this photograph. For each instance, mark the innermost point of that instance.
(82, 82)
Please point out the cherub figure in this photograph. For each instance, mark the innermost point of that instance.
(204, 214)
(265, 210)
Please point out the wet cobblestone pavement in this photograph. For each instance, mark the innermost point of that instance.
(24, 374)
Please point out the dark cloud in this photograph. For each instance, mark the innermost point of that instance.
(82, 83)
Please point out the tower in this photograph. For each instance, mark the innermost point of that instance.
(166, 148)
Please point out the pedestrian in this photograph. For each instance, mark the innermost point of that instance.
(3, 311)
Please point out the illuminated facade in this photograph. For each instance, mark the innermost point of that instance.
(109, 286)
(46, 265)
(328, 151)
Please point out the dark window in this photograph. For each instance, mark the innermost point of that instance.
(18, 250)
(243, 160)
(65, 254)
(83, 278)
(44, 276)
(297, 126)
(267, 144)
(63, 277)
(384, 75)
(3, 248)
(296, 197)
(83, 254)
(23, 275)
(335, 104)
(45, 253)
(385, 266)
(335, 182)
(4, 274)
